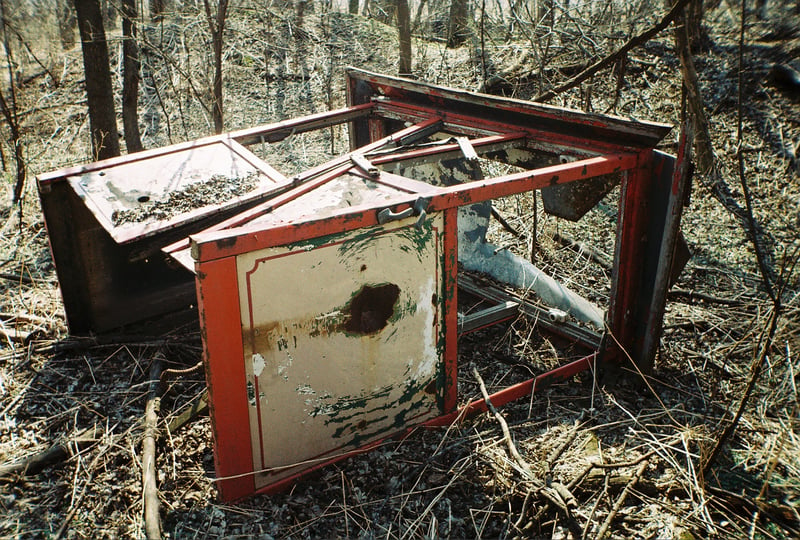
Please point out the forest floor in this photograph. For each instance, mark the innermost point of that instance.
(629, 456)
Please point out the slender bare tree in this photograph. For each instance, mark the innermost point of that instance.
(458, 30)
(99, 94)
(404, 34)
(216, 25)
(66, 24)
(130, 78)
(9, 110)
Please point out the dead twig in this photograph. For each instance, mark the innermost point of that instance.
(764, 347)
(582, 249)
(152, 521)
(772, 284)
(512, 448)
(621, 500)
(690, 296)
(77, 503)
(556, 494)
(709, 174)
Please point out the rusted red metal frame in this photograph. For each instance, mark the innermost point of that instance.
(364, 86)
(485, 144)
(634, 160)
(680, 184)
(218, 302)
(514, 392)
(132, 233)
(470, 125)
(627, 272)
(267, 133)
(220, 311)
(305, 182)
(450, 310)
(229, 242)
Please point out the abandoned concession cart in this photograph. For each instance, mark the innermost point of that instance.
(328, 294)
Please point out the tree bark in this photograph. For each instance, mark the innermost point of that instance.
(109, 14)
(130, 78)
(216, 25)
(404, 35)
(99, 94)
(9, 110)
(352, 7)
(157, 8)
(66, 24)
(458, 28)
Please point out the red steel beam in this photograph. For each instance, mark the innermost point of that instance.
(223, 243)
(249, 136)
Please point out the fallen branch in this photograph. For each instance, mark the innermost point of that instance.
(512, 448)
(56, 454)
(620, 501)
(690, 296)
(19, 278)
(152, 521)
(582, 249)
(612, 58)
(555, 494)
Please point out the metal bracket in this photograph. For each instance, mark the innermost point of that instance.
(365, 165)
(420, 209)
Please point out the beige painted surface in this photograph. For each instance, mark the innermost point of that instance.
(318, 386)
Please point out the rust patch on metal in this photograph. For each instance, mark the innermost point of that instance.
(370, 309)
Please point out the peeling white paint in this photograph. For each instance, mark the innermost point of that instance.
(426, 367)
(258, 364)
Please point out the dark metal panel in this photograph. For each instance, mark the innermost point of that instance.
(629, 261)
(674, 178)
(101, 287)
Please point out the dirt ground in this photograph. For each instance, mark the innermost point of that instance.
(629, 455)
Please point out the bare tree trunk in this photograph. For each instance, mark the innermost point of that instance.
(109, 14)
(157, 8)
(458, 28)
(66, 24)
(100, 97)
(404, 34)
(130, 78)
(216, 25)
(9, 110)
(694, 26)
